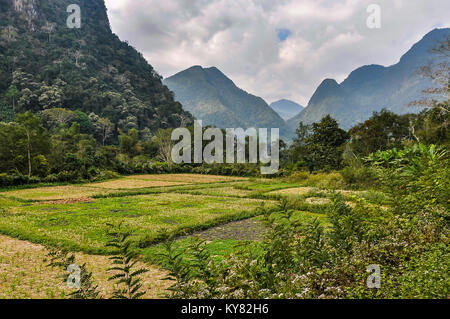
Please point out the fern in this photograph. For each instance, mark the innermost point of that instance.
(63, 259)
(127, 279)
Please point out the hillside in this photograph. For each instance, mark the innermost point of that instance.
(373, 87)
(44, 64)
(286, 109)
(212, 97)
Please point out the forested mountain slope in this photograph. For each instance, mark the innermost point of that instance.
(212, 97)
(45, 64)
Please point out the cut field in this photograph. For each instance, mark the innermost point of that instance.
(157, 183)
(54, 193)
(25, 274)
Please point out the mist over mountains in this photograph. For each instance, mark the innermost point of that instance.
(373, 87)
(209, 95)
(286, 109)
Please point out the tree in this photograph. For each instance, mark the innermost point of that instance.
(382, 131)
(49, 28)
(11, 94)
(51, 96)
(438, 72)
(129, 143)
(9, 33)
(298, 151)
(324, 147)
(105, 128)
(85, 123)
(165, 144)
(36, 139)
(57, 117)
(6, 113)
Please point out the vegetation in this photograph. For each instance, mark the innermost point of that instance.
(86, 75)
(123, 261)
(85, 144)
(409, 241)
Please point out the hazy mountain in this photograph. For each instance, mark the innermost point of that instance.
(373, 87)
(286, 109)
(45, 64)
(213, 98)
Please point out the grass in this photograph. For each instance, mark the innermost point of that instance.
(24, 273)
(128, 183)
(153, 206)
(263, 186)
(225, 191)
(54, 193)
(218, 248)
(82, 226)
(187, 178)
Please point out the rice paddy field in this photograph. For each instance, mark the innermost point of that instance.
(224, 211)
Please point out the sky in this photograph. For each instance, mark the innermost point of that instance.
(270, 48)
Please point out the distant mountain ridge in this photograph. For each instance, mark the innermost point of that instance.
(287, 109)
(373, 87)
(213, 98)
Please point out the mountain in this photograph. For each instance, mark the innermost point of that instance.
(213, 98)
(286, 109)
(45, 64)
(373, 87)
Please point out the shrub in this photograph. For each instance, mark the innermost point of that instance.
(105, 175)
(357, 177)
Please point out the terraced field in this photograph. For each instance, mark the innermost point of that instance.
(222, 210)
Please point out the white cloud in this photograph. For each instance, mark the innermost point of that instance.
(329, 38)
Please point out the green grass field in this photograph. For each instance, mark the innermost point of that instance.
(223, 211)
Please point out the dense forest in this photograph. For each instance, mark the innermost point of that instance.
(45, 65)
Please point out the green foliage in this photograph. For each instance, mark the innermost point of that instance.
(319, 147)
(6, 113)
(298, 259)
(45, 65)
(127, 278)
(431, 126)
(384, 130)
(356, 177)
(21, 142)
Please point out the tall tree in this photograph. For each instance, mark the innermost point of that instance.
(11, 94)
(37, 141)
(382, 131)
(322, 146)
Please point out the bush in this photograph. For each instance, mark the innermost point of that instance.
(40, 166)
(105, 175)
(357, 177)
(13, 179)
(319, 180)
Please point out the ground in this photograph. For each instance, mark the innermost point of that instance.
(223, 211)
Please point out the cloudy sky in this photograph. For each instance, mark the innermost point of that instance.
(274, 48)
